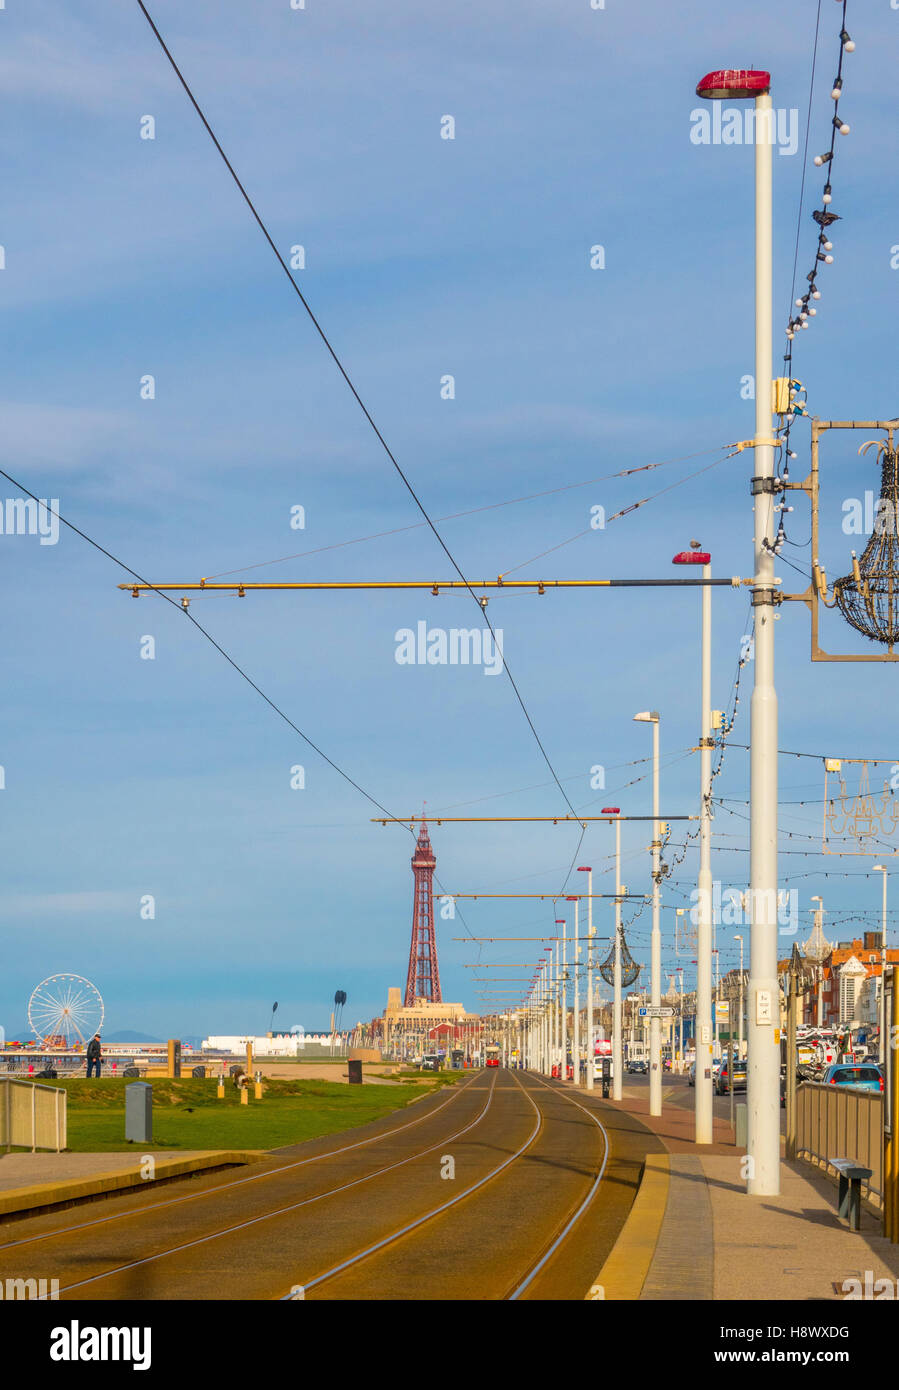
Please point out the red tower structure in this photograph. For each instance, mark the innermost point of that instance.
(423, 975)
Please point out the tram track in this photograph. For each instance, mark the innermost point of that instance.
(525, 1224)
(221, 1187)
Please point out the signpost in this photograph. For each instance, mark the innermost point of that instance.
(656, 1011)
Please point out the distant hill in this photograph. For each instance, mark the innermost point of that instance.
(127, 1035)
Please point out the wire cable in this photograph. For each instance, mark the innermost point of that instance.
(356, 396)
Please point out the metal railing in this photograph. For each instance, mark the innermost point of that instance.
(32, 1116)
(842, 1122)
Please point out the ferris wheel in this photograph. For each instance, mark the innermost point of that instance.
(64, 1010)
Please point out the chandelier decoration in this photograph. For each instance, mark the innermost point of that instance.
(629, 967)
(868, 598)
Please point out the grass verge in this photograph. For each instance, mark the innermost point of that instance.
(188, 1115)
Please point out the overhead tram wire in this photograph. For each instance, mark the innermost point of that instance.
(219, 648)
(471, 511)
(200, 628)
(356, 396)
(623, 512)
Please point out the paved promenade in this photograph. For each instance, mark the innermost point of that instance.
(31, 1182)
(695, 1234)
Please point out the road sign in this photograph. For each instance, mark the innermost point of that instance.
(657, 1011)
(722, 1010)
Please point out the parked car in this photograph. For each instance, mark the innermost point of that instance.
(802, 1074)
(430, 1061)
(722, 1085)
(691, 1075)
(636, 1064)
(860, 1076)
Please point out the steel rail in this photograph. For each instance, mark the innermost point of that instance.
(237, 1182)
(279, 1211)
(428, 1216)
(520, 1288)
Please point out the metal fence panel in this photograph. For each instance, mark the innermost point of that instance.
(32, 1116)
(840, 1122)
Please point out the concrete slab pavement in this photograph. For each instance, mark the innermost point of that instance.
(33, 1182)
(695, 1234)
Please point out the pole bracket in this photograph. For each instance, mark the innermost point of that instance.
(771, 485)
(764, 597)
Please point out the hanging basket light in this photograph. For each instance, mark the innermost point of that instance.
(629, 967)
(868, 598)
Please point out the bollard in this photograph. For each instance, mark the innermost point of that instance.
(741, 1133)
(244, 1096)
(220, 1089)
(258, 1089)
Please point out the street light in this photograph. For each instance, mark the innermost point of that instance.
(819, 972)
(576, 1040)
(740, 939)
(617, 1050)
(763, 1069)
(881, 1052)
(655, 982)
(586, 869)
(562, 922)
(703, 1093)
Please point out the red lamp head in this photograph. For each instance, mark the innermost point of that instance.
(733, 83)
(611, 810)
(692, 557)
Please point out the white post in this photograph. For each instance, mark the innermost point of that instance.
(655, 1023)
(590, 1044)
(557, 994)
(617, 1049)
(564, 998)
(741, 998)
(576, 1047)
(703, 1022)
(763, 1069)
(883, 1008)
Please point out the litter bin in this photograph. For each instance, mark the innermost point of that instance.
(199, 1073)
(354, 1067)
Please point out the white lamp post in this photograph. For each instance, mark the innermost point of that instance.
(563, 984)
(576, 1039)
(655, 982)
(740, 939)
(617, 1049)
(763, 1069)
(881, 1053)
(704, 1084)
(585, 869)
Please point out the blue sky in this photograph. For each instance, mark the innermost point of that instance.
(424, 257)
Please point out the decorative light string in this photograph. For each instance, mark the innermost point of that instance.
(824, 217)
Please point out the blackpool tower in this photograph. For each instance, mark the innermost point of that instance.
(423, 976)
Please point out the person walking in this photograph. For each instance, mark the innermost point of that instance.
(94, 1056)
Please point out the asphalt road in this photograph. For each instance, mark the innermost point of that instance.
(504, 1187)
(676, 1090)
